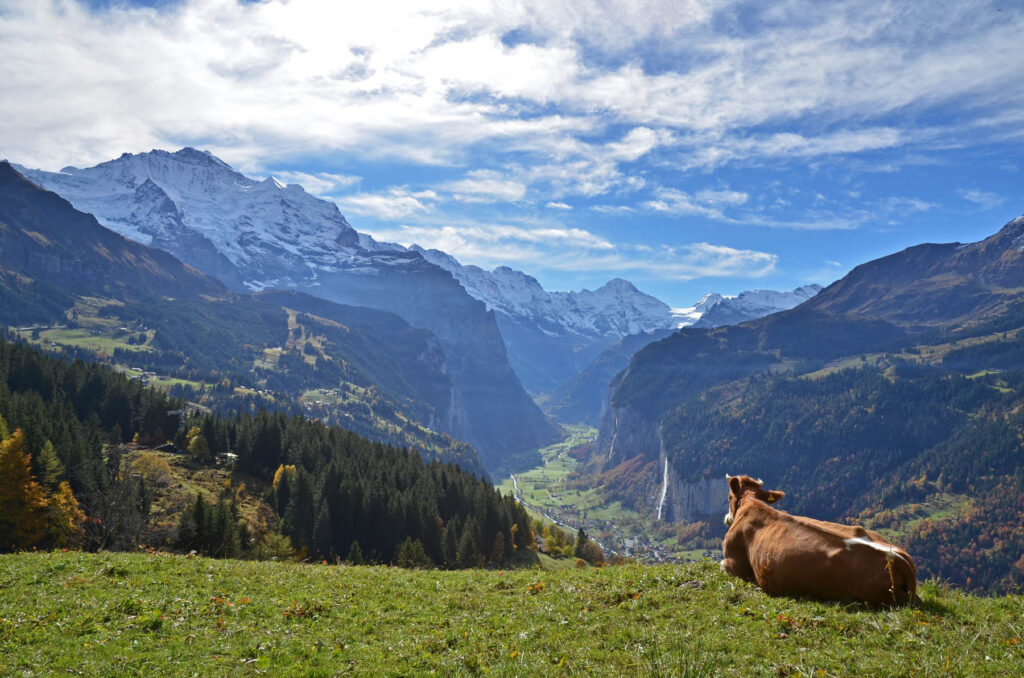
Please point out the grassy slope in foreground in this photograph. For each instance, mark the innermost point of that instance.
(151, 614)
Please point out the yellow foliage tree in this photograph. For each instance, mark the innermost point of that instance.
(66, 518)
(22, 500)
(290, 470)
(154, 469)
(198, 446)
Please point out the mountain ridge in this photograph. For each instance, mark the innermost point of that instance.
(152, 310)
(928, 295)
(265, 235)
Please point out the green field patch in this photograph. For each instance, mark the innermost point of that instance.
(157, 614)
(101, 342)
(898, 522)
(268, 359)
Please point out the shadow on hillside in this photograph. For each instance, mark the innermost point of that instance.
(933, 606)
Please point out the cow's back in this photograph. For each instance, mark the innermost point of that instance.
(791, 557)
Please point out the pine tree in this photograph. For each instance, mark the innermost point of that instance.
(411, 554)
(299, 516)
(48, 469)
(581, 541)
(450, 542)
(323, 532)
(498, 549)
(468, 550)
(355, 554)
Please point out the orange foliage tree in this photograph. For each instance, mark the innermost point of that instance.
(22, 500)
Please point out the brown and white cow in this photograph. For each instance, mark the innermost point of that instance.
(797, 556)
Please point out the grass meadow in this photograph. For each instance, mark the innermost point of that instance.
(151, 614)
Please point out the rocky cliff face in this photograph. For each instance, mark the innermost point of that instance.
(490, 408)
(688, 501)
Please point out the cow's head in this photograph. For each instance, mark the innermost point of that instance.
(740, 486)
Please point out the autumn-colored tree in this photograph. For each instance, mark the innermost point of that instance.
(592, 553)
(283, 471)
(153, 468)
(198, 446)
(22, 500)
(66, 518)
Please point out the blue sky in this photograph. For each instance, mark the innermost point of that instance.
(688, 146)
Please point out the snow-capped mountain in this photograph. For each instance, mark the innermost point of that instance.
(584, 397)
(262, 234)
(684, 317)
(615, 309)
(256, 235)
(271, 234)
(753, 304)
(552, 336)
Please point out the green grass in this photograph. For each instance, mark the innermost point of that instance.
(153, 614)
(103, 343)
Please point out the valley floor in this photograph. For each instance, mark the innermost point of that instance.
(550, 491)
(159, 614)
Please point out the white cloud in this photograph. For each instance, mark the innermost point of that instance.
(395, 203)
(572, 249)
(537, 101)
(485, 186)
(985, 199)
(676, 202)
(723, 197)
(428, 82)
(319, 183)
(558, 205)
(473, 239)
(680, 263)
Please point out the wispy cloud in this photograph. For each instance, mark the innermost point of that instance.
(397, 203)
(259, 80)
(486, 186)
(984, 199)
(575, 249)
(319, 183)
(674, 201)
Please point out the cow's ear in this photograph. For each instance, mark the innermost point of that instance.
(775, 495)
(734, 485)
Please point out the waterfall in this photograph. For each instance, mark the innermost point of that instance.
(664, 489)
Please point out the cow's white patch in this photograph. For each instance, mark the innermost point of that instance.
(729, 518)
(867, 542)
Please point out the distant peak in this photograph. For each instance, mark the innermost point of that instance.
(195, 152)
(618, 284)
(201, 156)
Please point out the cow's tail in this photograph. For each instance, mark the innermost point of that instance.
(902, 578)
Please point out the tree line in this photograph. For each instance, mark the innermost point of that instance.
(330, 494)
